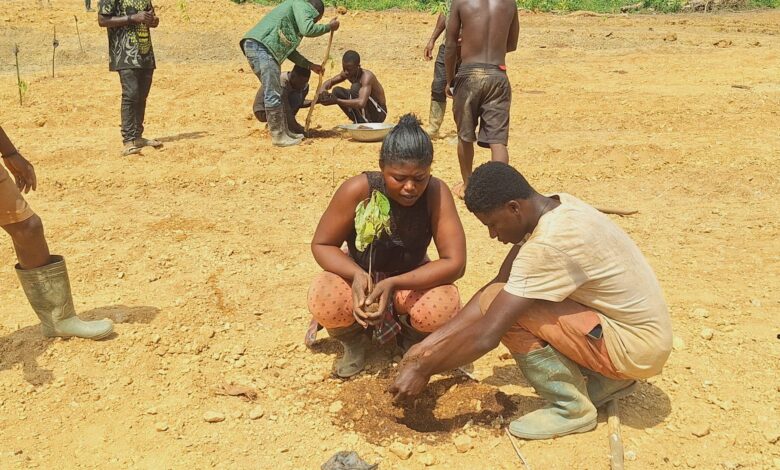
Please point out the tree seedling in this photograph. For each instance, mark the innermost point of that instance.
(372, 217)
(20, 84)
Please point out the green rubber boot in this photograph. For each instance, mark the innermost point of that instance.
(355, 342)
(48, 291)
(558, 380)
(603, 389)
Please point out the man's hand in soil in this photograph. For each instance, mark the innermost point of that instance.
(334, 24)
(383, 292)
(23, 172)
(411, 380)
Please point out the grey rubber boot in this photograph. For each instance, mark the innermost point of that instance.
(436, 118)
(355, 342)
(409, 335)
(559, 381)
(277, 124)
(48, 291)
(603, 389)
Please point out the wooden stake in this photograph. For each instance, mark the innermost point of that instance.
(18, 77)
(54, 45)
(77, 33)
(615, 441)
(319, 84)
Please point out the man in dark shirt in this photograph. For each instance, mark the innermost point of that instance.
(131, 55)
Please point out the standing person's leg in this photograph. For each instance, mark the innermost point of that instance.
(465, 108)
(88, 5)
(268, 71)
(438, 97)
(44, 277)
(144, 87)
(551, 343)
(258, 107)
(494, 115)
(330, 303)
(130, 91)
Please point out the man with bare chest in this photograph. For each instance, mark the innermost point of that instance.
(480, 89)
(364, 101)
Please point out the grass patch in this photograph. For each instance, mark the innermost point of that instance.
(599, 6)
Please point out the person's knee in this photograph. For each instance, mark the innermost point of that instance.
(329, 300)
(340, 93)
(488, 295)
(435, 308)
(261, 116)
(27, 230)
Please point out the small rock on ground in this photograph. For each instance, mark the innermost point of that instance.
(401, 450)
(213, 417)
(462, 443)
(256, 413)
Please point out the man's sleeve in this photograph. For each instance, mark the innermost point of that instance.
(107, 7)
(297, 59)
(304, 17)
(543, 272)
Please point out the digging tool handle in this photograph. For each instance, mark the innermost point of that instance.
(615, 440)
(319, 84)
(78, 33)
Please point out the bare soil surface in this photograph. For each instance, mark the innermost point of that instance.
(199, 251)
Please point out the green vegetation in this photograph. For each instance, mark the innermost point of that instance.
(599, 6)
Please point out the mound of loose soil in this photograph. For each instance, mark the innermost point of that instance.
(445, 406)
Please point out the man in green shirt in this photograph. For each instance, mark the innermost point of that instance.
(271, 41)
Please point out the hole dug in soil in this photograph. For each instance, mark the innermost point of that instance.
(443, 408)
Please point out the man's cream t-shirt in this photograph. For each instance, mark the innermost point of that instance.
(577, 252)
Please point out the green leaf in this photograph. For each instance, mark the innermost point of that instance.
(372, 217)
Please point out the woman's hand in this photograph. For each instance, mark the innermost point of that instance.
(359, 290)
(383, 293)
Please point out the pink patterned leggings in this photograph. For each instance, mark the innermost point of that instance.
(330, 302)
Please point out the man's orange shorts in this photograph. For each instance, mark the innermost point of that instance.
(13, 207)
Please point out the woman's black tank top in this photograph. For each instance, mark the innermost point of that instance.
(407, 245)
